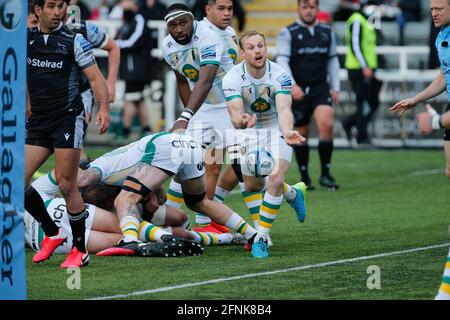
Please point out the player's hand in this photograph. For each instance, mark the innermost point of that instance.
(297, 93)
(111, 91)
(402, 106)
(293, 137)
(179, 126)
(424, 120)
(102, 120)
(249, 121)
(367, 73)
(335, 97)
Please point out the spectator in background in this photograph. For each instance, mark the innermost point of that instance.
(345, 9)
(198, 9)
(84, 9)
(361, 63)
(134, 43)
(411, 10)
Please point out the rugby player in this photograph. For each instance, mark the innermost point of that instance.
(258, 92)
(56, 58)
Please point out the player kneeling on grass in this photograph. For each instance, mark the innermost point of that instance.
(179, 155)
(258, 92)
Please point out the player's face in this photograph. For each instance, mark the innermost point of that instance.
(255, 51)
(181, 29)
(440, 12)
(307, 10)
(50, 15)
(220, 13)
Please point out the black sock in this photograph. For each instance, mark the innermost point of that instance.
(78, 224)
(325, 151)
(302, 156)
(126, 132)
(146, 129)
(36, 207)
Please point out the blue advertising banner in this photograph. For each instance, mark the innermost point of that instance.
(13, 51)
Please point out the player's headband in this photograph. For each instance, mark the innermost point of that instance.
(176, 14)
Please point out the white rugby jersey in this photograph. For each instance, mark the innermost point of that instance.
(258, 95)
(206, 47)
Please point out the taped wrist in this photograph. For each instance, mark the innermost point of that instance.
(186, 115)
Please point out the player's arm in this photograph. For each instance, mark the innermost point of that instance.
(334, 70)
(100, 39)
(84, 56)
(286, 120)
(28, 105)
(100, 89)
(239, 119)
(283, 57)
(184, 91)
(434, 89)
(198, 95)
(113, 66)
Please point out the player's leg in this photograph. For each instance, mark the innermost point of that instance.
(144, 117)
(87, 97)
(105, 221)
(195, 199)
(324, 117)
(35, 156)
(66, 170)
(99, 240)
(447, 154)
(145, 178)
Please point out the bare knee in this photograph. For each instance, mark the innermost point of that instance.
(447, 172)
(213, 169)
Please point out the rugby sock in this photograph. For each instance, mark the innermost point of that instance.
(220, 194)
(289, 192)
(130, 228)
(268, 212)
(325, 149)
(211, 238)
(174, 195)
(302, 156)
(444, 289)
(253, 201)
(236, 222)
(36, 208)
(150, 232)
(126, 132)
(78, 224)
(202, 220)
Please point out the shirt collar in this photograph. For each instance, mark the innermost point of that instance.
(53, 30)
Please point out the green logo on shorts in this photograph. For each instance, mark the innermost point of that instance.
(190, 72)
(260, 105)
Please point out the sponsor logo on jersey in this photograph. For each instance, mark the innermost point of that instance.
(190, 72)
(284, 80)
(208, 52)
(45, 63)
(189, 144)
(233, 55)
(260, 105)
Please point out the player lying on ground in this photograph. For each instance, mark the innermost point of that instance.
(179, 156)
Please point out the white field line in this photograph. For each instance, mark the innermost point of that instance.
(267, 273)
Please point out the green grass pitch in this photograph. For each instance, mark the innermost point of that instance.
(389, 201)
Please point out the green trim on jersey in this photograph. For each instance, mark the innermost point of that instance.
(204, 63)
(284, 92)
(51, 178)
(150, 148)
(47, 203)
(234, 97)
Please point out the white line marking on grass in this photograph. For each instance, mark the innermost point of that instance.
(428, 172)
(267, 273)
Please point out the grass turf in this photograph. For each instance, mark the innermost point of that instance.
(388, 201)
